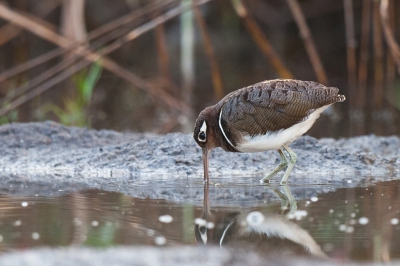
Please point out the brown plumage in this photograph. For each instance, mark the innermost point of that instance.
(266, 108)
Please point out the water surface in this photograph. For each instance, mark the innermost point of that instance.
(345, 224)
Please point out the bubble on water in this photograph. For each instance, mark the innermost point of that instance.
(200, 222)
(394, 221)
(24, 204)
(363, 220)
(314, 199)
(349, 229)
(17, 223)
(352, 215)
(342, 227)
(298, 215)
(165, 218)
(160, 240)
(349, 181)
(210, 225)
(352, 221)
(255, 218)
(331, 211)
(35, 236)
(95, 223)
(150, 232)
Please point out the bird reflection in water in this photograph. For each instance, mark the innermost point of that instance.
(268, 234)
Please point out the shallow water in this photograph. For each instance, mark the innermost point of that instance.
(345, 224)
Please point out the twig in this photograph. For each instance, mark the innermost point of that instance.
(364, 54)
(389, 36)
(128, 19)
(390, 63)
(209, 50)
(110, 27)
(308, 41)
(31, 64)
(351, 51)
(9, 31)
(261, 40)
(378, 59)
(162, 51)
(108, 64)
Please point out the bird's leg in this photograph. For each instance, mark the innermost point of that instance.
(292, 161)
(292, 200)
(282, 164)
(284, 200)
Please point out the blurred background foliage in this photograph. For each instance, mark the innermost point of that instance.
(152, 65)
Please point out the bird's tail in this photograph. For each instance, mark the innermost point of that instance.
(341, 98)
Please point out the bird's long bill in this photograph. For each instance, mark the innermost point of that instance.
(206, 154)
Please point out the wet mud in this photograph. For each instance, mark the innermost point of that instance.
(50, 160)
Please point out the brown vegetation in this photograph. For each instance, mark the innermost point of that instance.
(149, 84)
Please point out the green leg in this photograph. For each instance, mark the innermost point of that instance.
(283, 164)
(287, 201)
(284, 200)
(292, 200)
(292, 161)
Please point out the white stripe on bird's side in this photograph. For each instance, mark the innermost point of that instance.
(222, 130)
(275, 140)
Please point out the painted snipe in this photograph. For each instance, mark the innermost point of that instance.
(268, 115)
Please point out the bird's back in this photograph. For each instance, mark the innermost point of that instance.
(272, 106)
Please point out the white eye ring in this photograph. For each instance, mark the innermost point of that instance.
(202, 137)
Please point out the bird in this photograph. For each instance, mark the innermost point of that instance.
(268, 115)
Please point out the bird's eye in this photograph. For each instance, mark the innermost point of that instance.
(202, 136)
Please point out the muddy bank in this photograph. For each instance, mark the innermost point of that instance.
(39, 156)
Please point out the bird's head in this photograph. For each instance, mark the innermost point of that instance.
(205, 136)
(203, 132)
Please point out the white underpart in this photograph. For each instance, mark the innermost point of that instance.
(222, 130)
(274, 141)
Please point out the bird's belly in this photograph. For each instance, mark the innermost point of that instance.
(275, 140)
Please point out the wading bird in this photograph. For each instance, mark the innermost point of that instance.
(268, 115)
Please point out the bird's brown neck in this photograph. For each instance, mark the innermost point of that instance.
(218, 137)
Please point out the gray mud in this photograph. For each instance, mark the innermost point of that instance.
(51, 159)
